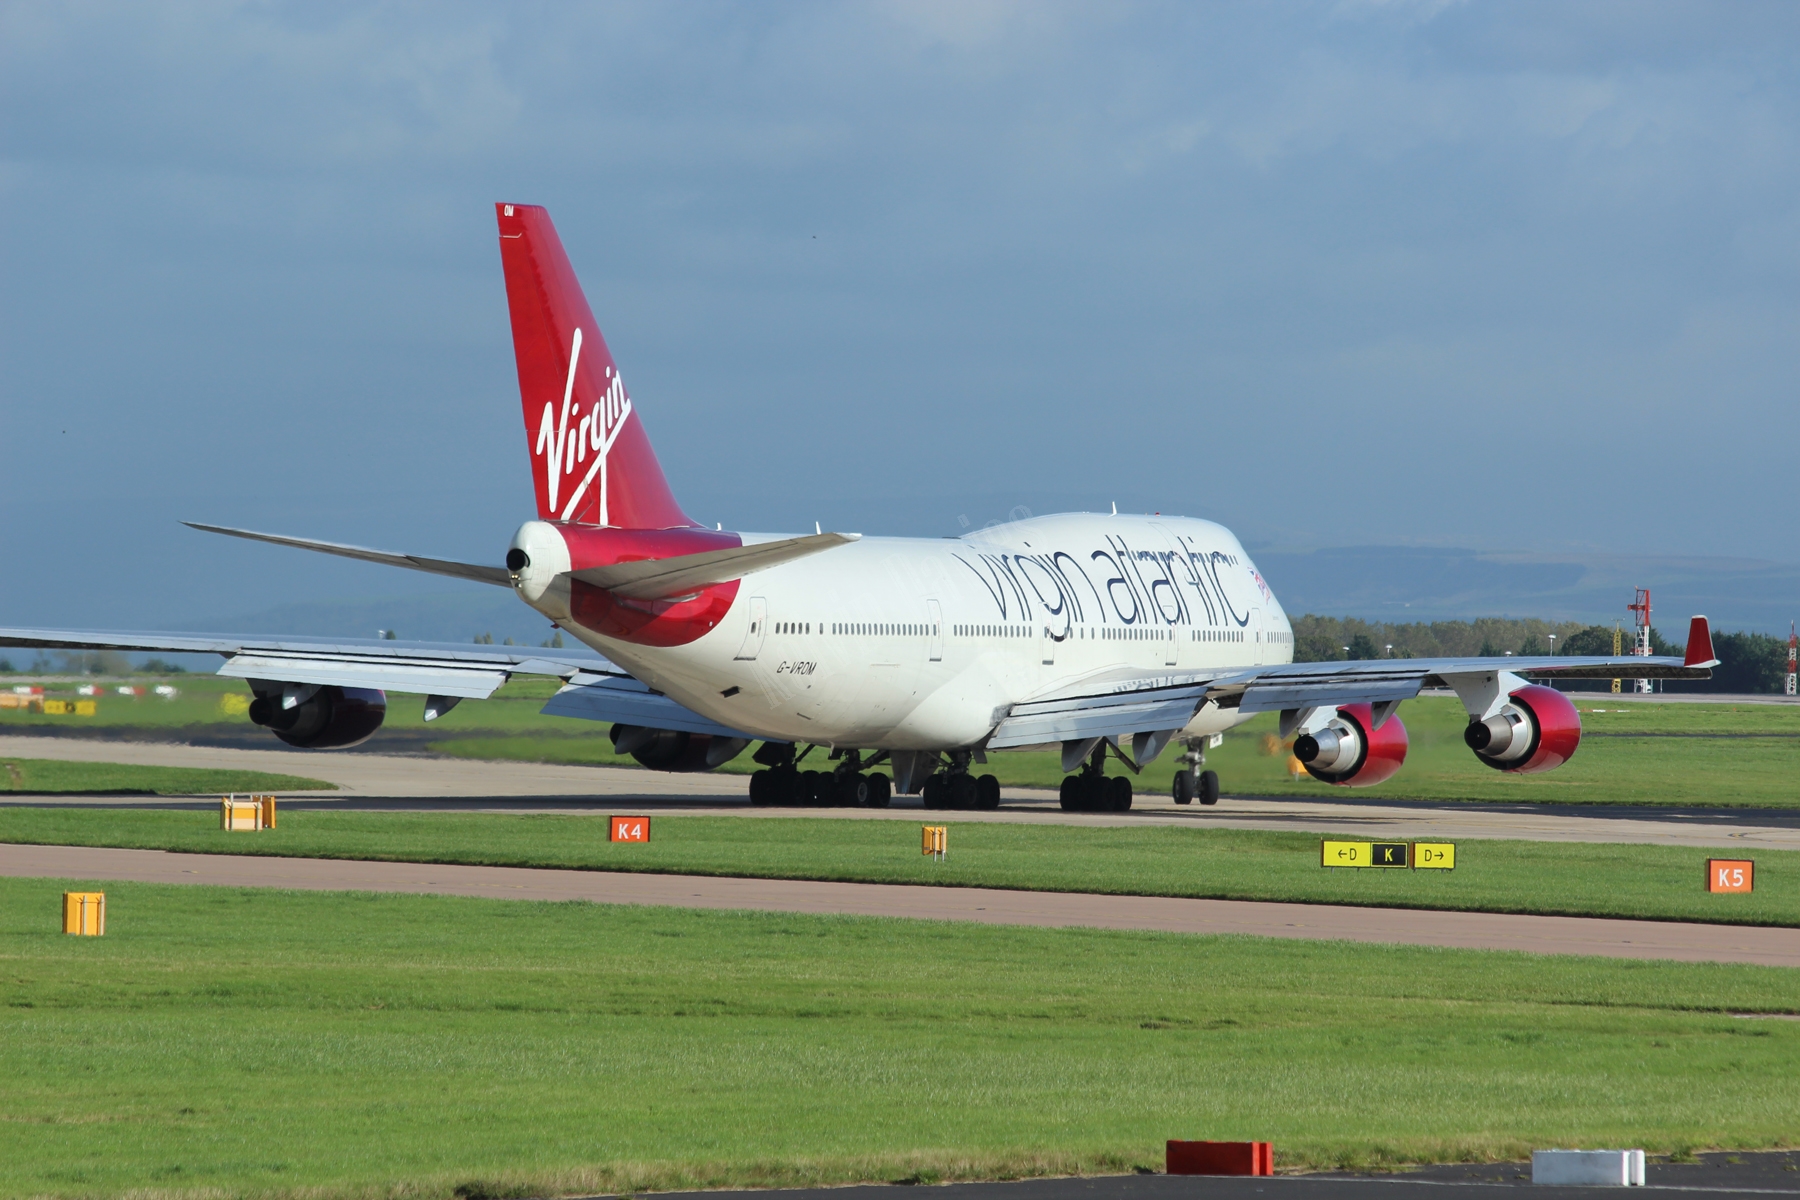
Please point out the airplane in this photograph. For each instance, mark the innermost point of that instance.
(1107, 636)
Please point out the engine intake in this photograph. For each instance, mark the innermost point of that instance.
(1350, 752)
(674, 749)
(317, 718)
(1537, 729)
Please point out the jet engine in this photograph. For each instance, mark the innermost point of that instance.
(674, 749)
(1350, 751)
(1536, 730)
(317, 718)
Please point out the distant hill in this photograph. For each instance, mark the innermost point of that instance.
(1407, 584)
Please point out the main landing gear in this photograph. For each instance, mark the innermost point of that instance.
(1191, 783)
(1092, 791)
(847, 785)
(957, 789)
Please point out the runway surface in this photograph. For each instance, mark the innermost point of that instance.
(1490, 931)
(1753, 1174)
(374, 781)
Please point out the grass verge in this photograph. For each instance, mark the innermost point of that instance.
(43, 776)
(341, 1044)
(1560, 878)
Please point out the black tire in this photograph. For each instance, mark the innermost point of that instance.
(881, 790)
(1118, 794)
(815, 789)
(1209, 787)
(760, 788)
(855, 791)
(987, 792)
(961, 791)
(932, 792)
(1093, 794)
(1183, 788)
(1071, 793)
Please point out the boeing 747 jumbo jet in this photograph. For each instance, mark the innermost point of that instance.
(1106, 636)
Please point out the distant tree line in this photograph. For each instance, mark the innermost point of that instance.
(1748, 662)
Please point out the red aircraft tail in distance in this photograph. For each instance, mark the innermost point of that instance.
(590, 459)
(1699, 645)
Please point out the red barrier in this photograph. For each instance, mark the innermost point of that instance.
(1220, 1158)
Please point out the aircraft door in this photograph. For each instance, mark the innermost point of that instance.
(934, 632)
(1177, 631)
(1260, 648)
(753, 636)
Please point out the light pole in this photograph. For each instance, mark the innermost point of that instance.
(1553, 645)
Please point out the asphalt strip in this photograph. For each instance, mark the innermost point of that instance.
(1679, 941)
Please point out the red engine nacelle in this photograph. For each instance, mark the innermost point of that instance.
(1537, 730)
(674, 749)
(1350, 752)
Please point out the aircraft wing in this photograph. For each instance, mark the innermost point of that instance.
(597, 690)
(1150, 708)
(438, 669)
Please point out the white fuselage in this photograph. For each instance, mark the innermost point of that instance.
(922, 644)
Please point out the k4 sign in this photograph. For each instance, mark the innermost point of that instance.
(631, 829)
(1730, 875)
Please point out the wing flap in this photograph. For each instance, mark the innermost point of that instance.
(467, 681)
(1109, 715)
(661, 578)
(623, 700)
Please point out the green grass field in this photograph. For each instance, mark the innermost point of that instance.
(1709, 755)
(1496, 876)
(246, 1043)
(42, 776)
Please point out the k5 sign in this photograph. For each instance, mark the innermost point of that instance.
(1730, 875)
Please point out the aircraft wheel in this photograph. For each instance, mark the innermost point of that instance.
(987, 792)
(1071, 793)
(1209, 787)
(932, 792)
(1094, 794)
(1118, 792)
(881, 791)
(760, 788)
(815, 789)
(962, 792)
(855, 791)
(1183, 788)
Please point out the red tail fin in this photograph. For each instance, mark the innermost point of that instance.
(1699, 645)
(589, 456)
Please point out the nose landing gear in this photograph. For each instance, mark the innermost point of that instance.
(1191, 783)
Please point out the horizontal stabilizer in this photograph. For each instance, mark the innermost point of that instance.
(412, 562)
(661, 578)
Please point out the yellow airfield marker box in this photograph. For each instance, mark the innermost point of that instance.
(1419, 856)
(84, 913)
(1434, 856)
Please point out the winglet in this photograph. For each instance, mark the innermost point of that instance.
(1699, 645)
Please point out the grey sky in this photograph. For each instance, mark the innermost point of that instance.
(1505, 276)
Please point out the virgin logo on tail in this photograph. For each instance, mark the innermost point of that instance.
(567, 443)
